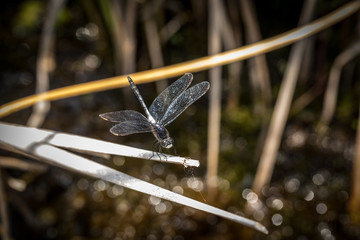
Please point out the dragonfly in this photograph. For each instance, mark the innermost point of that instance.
(166, 107)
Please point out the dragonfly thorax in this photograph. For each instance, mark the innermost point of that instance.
(162, 135)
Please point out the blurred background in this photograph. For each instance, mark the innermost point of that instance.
(71, 42)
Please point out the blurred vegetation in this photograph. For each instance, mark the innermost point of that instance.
(311, 184)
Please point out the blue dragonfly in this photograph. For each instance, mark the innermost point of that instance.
(166, 107)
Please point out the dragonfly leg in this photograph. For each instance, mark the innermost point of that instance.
(156, 148)
(175, 153)
(159, 152)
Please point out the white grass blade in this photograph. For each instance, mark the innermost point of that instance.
(18, 138)
(22, 137)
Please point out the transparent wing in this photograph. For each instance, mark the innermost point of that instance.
(129, 122)
(122, 116)
(183, 101)
(163, 101)
(127, 128)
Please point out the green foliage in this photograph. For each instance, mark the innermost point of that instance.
(346, 108)
(241, 119)
(63, 17)
(28, 17)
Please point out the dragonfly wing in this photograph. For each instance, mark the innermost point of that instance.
(128, 127)
(122, 116)
(129, 122)
(163, 101)
(183, 101)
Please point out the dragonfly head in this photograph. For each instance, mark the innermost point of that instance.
(167, 142)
